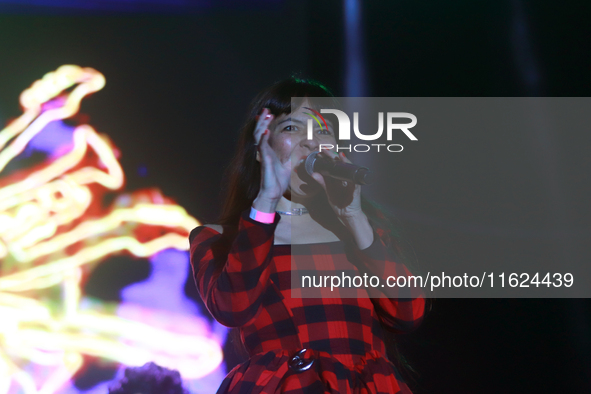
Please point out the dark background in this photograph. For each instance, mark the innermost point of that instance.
(179, 81)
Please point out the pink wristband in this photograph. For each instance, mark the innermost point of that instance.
(262, 217)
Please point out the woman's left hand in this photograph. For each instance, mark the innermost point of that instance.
(343, 196)
(345, 199)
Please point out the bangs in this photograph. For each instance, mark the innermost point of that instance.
(279, 97)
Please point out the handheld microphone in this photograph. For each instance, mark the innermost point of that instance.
(338, 169)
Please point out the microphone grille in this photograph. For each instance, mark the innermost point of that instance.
(309, 163)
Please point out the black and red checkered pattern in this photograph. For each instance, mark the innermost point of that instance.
(245, 281)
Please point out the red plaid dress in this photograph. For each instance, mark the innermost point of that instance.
(245, 281)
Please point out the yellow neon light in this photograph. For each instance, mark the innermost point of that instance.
(48, 239)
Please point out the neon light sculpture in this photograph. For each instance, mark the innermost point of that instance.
(53, 231)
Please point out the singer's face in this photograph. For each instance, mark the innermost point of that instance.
(289, 140)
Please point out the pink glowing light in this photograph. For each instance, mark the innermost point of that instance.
(54, 231)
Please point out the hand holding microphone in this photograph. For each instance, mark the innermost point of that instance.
(338, 169)
(341, 181)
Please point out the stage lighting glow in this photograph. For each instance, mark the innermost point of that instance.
(54, 231)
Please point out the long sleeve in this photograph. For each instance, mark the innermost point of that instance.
(232, 271)
(400, 308)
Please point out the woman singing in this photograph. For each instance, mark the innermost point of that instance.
(243, 266)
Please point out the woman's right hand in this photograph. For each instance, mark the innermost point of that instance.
(275, 175)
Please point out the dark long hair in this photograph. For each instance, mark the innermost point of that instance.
(243, 181)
